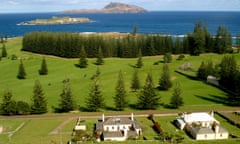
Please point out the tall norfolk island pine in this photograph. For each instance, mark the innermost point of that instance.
(39, 102)
(44, 69)
(148, 99)
(165, 81)
(4, 51)
(120, 97)
(21, 71)
(135, 85)
(83, 58)
(66, 101)
(95, 101)
(176, 99)
(139, 63)
(99, 60)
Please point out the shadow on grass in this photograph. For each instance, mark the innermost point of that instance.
(78, 66)
(109, 108)
(186, 75)
(217, 99)
(84, 109)
(134, 106)
(168, 106)
(133, 66)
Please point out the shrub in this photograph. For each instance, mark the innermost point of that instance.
(181, 57)
(23, 108)
(14, 57)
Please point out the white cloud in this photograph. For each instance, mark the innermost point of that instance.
(13, 2)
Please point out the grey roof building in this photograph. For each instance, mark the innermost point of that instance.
(117, 128)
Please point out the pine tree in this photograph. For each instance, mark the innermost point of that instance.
(120, 97)
(95, 101)
(167, 58)
(39, 102)
(135, 29)
(238, 42)
(44, 69)
(135, 81)
(139, 61)
(228, 73)
(176, 99)
(201, 74)
(165, 80)
(8, 106)
(147, 98)
(66, 101)
(99, 60)
(223, 40)
(4, 51)
(83, 58)
(21, 71)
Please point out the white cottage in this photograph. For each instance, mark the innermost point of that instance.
(201, 126)
(118, 128)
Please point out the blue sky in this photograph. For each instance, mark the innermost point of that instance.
(11, 6)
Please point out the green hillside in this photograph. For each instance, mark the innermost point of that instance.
(197, 95)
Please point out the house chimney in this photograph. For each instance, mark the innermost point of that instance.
(132, 117)
(212, 113)
(125, 133)
(216, 128)
(103, 118)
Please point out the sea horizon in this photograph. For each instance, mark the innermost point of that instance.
(176, 23)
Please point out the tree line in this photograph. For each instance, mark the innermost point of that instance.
(70, 44)
(227, 73)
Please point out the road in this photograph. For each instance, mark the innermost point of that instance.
(96, 115)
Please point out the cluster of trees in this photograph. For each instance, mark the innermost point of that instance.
(22, 73)
(3, 38)
(226, 72)
(70, 44)
(12, 107)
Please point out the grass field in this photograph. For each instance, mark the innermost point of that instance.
(197, 95)
(37, 131)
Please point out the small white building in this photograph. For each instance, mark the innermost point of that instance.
(212, 80)
(201, 126)
(118, 128)
(79, 126)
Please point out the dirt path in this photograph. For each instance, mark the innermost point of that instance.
(58, 128)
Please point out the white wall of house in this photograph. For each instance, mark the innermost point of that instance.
(222, 135)
(115, 139)
(205, 136)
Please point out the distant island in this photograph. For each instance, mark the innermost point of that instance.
(113, 7)
(57, 20)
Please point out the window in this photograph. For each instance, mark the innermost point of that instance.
(113, 127)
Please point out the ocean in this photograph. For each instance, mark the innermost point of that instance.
(170, 23)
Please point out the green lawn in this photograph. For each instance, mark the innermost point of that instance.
(37, 132)
(9, 126)
(197, 95)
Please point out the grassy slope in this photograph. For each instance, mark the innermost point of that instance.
(197, 95)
